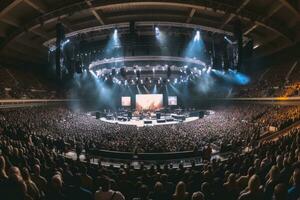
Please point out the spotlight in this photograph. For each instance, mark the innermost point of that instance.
(116, 41)
(65, 42)
(208, 70)
(156, 31)
(228, 40)
(197, 36)
(256, 46)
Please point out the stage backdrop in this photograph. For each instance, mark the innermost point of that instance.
(172, 100)
(126, 101)
(149, 101)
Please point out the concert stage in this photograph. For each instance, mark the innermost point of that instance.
(135, 121)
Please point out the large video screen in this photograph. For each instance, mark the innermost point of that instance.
(149, 101)
(126, 101)
(172, 100)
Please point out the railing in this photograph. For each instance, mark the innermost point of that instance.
(259, 99)
(146, 58)
(277, 134)
(33, 101)
(130, 156)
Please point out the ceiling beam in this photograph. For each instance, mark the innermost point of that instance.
(268, 40)
(16, 24)
(36, 5)
(272, 46)
(40, 33)
(33, 53)
(291, 8)
(94, 12)
(9, 7)
(192, 12)
(14, 52)
(213, 6)
(11, 22)
(232, 15)
(274, 8)
(67, 24)
(250, 29)
(31, 45)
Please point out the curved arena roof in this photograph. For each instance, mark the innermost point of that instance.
(25, 25)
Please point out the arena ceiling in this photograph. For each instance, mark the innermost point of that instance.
(26, 24)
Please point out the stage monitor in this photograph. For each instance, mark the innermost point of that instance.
(149, 102)
(126, 101)
(172, 100)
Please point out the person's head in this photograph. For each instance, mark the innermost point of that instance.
(256, 163)
(285, 162)
(296, 177)
(105, 185)
(180, 188)
(158, 187)
(205, 188)
(231, 178)
(279, 160)
(56, 182)
(198, 196)
(144, 191)
(254, 184)
(274, 173)
(163, 178)
(25, 174)
(14, 172)
(280, 192)
(37, 170)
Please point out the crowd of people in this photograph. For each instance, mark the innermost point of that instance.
(234, 126)
(280, 80)
(32, 168)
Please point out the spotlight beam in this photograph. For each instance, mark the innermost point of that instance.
(197, 36)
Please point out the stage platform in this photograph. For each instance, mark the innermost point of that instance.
(135, 121)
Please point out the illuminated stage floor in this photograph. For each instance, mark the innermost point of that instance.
(140, 123)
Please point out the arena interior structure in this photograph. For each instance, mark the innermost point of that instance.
(177, 99)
